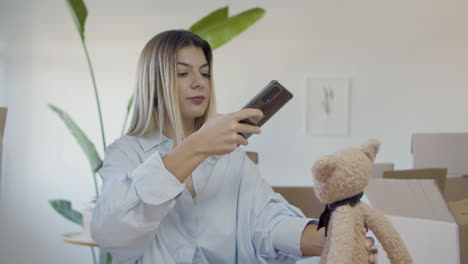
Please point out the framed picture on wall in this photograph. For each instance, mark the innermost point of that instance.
(327, 106)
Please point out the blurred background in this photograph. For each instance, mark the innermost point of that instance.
(407, 62)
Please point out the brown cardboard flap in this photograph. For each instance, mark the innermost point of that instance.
(3, 113)
(459, 210)
(456, 195)
(253, 156)
(463, 238)
(303, 198)
(408, 198)
(456, 188)
(439, 175)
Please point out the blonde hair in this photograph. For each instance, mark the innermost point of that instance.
(156, 98)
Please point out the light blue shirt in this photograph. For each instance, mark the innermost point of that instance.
(145, 215)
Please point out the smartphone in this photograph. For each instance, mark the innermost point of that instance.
(269, 100)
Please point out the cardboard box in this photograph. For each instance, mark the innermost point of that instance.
(456, 189)
(419, 213)
(3, 113)
(443, 150)
(448, 150)
(303, 198)
(252, 156)
(439, 175)
(415, 207)
(380, 168)
(456, 195)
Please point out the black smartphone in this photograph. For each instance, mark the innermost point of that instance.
(269, 100)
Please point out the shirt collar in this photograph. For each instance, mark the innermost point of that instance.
(155, 139)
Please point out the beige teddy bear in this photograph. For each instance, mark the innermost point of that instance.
(339, 182)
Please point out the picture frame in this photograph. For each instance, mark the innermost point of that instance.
(327, 106)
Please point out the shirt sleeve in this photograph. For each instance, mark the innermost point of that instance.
(276, 226)
(134, 200)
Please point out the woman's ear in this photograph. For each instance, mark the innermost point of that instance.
(371, 148)
(323, 168)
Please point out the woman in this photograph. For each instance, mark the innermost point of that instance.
(176, 188)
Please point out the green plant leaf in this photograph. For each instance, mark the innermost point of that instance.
(104, 257)
(211, 19)
(218, 29)
(86, 145)
(79, 13)
(129, 105)
(64, 208)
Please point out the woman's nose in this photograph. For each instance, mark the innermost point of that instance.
(198, 82)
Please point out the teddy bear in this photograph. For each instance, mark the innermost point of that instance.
(339, 182)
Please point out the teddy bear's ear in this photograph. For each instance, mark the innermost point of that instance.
(370, 148)
(324, 167)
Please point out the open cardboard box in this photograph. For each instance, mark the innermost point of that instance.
(3, 113)
(441, 150)
(421, 216)
(448, 150)
(439, 175)
(456, 195)
(380, 168)
(415, 207)
(303, 198)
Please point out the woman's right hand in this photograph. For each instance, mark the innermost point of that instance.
(219, 135)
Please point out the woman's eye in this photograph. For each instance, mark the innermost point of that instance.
(206, 75)
(182, 74)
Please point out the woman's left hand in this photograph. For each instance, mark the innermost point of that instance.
(369, 243)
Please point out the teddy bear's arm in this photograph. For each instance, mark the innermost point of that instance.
(387, 235)
(341, 236)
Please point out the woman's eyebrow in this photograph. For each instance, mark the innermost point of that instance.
(184, 64)
(188, 65)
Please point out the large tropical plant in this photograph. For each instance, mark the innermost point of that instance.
(217, 28)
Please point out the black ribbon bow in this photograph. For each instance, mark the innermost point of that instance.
(329, 208)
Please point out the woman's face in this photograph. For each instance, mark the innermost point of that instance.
(193, 82)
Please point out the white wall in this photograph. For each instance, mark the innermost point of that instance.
(3, 56)
(407, 61)
(3, 88)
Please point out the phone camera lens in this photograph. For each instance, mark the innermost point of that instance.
(270, 95)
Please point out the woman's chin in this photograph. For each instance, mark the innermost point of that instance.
(194, 115)
(198, 111)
